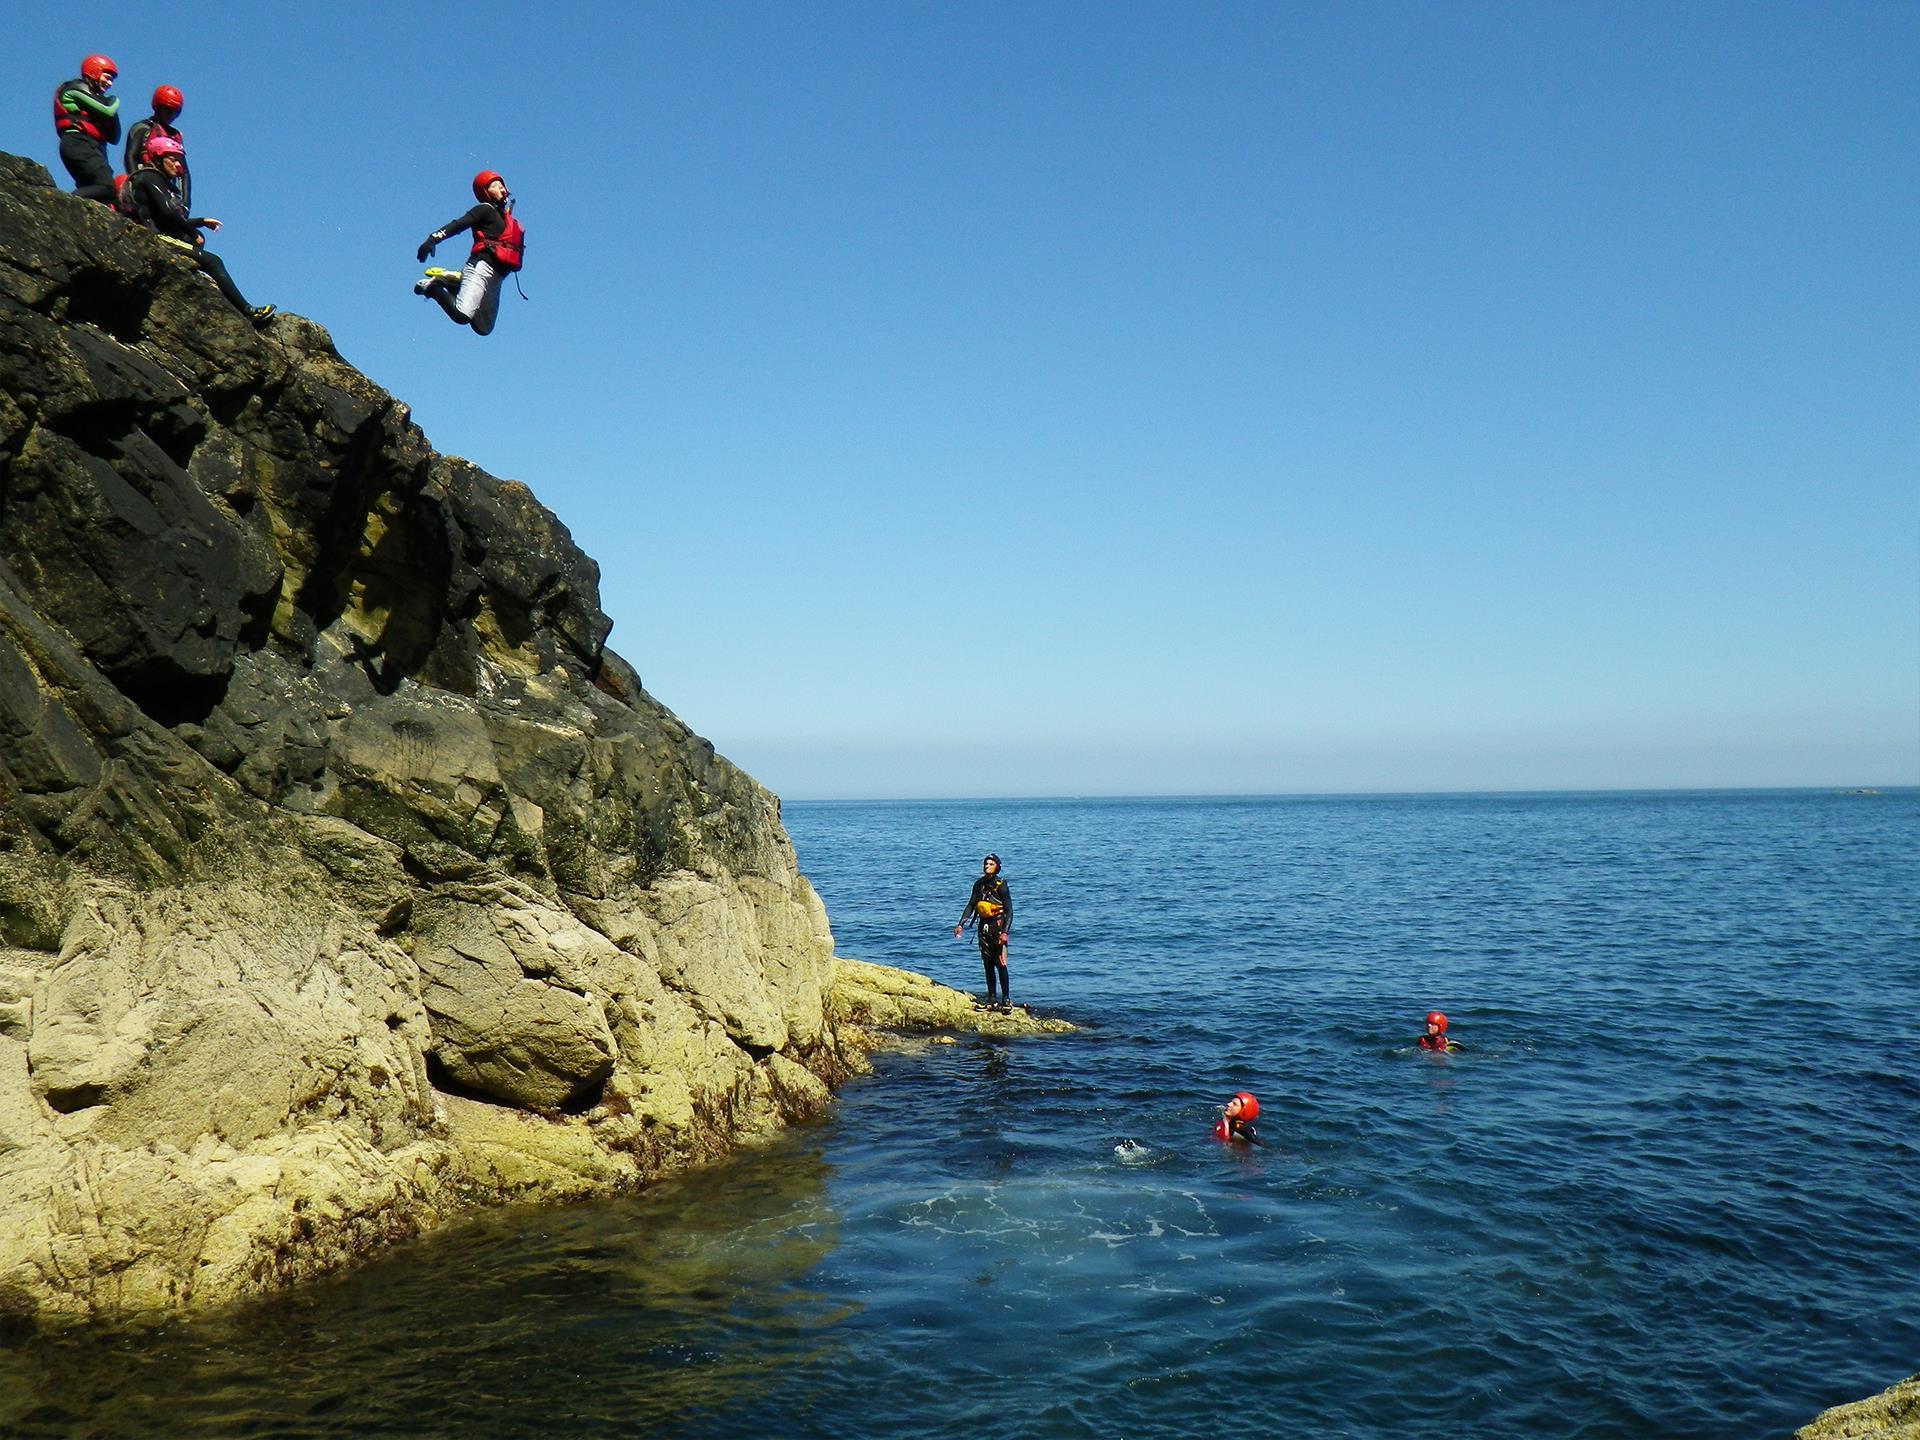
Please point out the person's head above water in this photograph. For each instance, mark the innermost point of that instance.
(1243, 1107)
(1436, 1023)
(990, 865)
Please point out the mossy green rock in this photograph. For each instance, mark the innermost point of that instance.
(1894, 1414)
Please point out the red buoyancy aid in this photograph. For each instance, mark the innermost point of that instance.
(506, 249)
(65, 119)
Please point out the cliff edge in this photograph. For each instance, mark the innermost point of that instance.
(346, 877)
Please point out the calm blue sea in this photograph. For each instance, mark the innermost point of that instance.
(1671, 1187)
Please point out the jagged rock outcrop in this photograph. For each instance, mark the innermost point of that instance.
(346, 877)
(1893, 1414)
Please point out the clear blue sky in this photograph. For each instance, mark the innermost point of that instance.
(1079, 398)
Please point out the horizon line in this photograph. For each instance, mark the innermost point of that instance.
(1864, 791)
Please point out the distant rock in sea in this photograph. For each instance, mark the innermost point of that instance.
(346, 877)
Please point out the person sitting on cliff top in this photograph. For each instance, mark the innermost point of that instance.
(1436, 1038)
(471, 296)
(87, 121)
(168, 102)
(157, 205)
(1236, 1120)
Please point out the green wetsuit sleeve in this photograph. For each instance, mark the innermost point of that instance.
(77, 98)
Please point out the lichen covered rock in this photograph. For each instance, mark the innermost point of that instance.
(346, 877)
(1894, 1414)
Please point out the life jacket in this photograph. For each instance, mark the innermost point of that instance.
(1437, 1042)
(81, 120)
(989, 909)
(506, 249)
(1224, 1129)
(156, 126)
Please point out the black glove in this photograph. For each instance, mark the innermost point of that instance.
(426, 247)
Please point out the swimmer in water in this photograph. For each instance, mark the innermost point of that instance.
(1236, 1120)
(1436, 1037)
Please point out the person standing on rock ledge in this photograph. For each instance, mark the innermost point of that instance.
(990, 913)
(471, 296)
(168, 102)
(87, 122)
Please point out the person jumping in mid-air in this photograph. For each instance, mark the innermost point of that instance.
(1436, 1037)
(155, 202)
(87, 122)
(989, 914)
(471, 296)
(168, 102)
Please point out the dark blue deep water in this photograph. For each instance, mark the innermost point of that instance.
(1671, 1188)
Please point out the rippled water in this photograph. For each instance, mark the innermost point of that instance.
(1671, 1188)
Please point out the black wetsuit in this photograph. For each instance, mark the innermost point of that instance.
(991, 931)
(90, 122)
(135, 154)
(157, 205)
(486, 220)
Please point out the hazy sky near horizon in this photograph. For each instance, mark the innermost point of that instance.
(1075, 398)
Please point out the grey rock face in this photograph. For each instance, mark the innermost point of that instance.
(346, 877)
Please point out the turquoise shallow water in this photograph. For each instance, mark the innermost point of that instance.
(1670, 1189)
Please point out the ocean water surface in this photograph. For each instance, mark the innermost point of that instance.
(1670, 1188)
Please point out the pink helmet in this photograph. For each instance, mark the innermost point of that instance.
(160, 145)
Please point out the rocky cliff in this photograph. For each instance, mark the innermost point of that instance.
(346, 877)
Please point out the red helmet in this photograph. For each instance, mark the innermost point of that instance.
(1249, 1107)
(168, 97)
(1437, 1020)
(159, 145)
(482, 181)
(97, 68)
